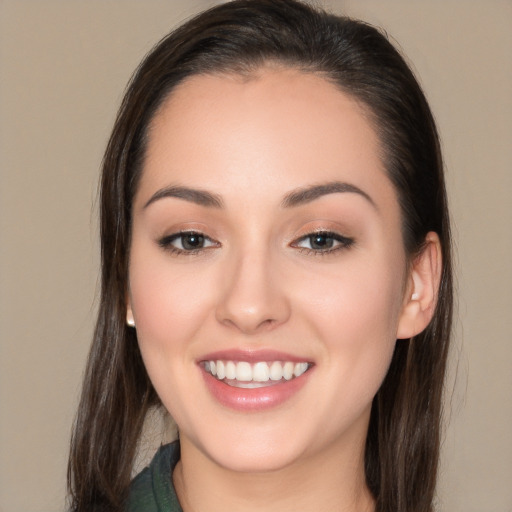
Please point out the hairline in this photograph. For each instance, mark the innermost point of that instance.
(250, 70)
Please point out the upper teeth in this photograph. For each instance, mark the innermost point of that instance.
(256, 372)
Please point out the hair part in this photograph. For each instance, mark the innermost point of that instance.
(240, 37)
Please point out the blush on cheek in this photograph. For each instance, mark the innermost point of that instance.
(165, 295)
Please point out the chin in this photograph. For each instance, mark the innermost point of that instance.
(252, 451)
(255, 460)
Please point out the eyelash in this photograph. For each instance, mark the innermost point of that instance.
(343, 243)
(337, 243)
(167, 243)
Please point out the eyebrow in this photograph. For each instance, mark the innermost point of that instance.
(295, 198)
(200, 197)
(307, 195)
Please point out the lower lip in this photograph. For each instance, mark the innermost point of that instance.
(255, 399)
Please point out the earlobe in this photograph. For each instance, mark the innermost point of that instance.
(421, 295)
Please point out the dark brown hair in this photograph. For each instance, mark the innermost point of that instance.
(402, 447)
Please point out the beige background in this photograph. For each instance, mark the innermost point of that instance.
(63, 67)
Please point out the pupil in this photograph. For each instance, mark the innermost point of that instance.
(321, 242)
(192, 241)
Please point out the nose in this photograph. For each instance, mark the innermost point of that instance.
(253, 299)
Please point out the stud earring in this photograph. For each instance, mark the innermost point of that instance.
(130, 321)
(415, 296)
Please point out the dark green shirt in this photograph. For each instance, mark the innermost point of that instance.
(152, 489)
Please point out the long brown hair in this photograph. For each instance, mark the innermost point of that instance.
(402, 448)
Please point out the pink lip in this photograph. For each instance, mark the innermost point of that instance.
(256, 399)
(251, 356)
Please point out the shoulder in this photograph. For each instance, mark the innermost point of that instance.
(152, 490)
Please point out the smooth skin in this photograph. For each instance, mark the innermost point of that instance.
(252, 276)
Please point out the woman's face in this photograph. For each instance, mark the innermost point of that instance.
(267, 250)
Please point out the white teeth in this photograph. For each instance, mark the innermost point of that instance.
(244, 372)
(220, 370)
(299, 369)
(260, 372)
(276, 371)
(230, 370)
(288, 370)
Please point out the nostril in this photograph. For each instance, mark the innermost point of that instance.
(249, 299)
(246, 325)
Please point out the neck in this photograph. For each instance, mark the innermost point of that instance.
(331, 481)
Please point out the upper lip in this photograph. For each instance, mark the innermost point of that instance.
(252, 356)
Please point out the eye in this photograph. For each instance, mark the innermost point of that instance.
(323, 242)
(186, 242)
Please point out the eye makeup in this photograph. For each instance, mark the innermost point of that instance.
(318, 242)
(322, 242)
(187, 243)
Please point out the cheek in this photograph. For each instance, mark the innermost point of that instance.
(168, 302)
(169, 310)
(359, 341)
(355, 313)
(355, 301)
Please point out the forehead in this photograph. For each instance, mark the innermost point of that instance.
(281, 126)
(275, 96)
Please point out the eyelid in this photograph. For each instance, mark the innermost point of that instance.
(166, 242)
(344, 242)
(337, 242)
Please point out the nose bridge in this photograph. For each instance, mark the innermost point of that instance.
(252, 298)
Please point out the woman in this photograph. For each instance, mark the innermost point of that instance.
(275, 273)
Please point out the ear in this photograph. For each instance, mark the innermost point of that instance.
(130, 320)
(422, 289)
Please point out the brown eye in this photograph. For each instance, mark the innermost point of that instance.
(323, 242)
(186, 241)
(320, 241)
(191, 241)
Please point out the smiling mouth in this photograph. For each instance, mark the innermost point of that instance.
(242, 374)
